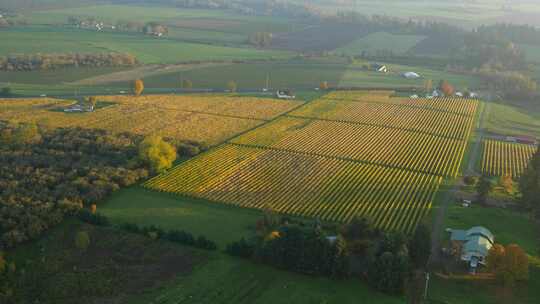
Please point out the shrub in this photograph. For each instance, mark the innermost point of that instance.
(188, 150)
(204, 243)
(241, 249)
(470, 180)
(129, 227)
(5, 92)
(82, 240)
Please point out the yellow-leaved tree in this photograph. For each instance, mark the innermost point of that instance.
(232, 86)
(324, 85)
(157, 153)
(138, 87)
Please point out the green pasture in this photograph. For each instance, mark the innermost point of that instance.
(255, 75)
(145, 207)
(53, 77)
(498, 221)
(230, 280)
(513, 119)
(32, 40)
(201, 19)
(398, 44)
(357, 76)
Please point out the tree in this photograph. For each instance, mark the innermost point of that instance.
(507, 183)
(92, 101)
(26, 134)
(420, 247)
(187, 84)
(232, 86)
(495, 258)
(515, 265)
(529, 185)
(428, 85)
(260, 39)
(159, 154)
(388, 272)
(138, 87)
(483, 188)
(446, 88)
(82, 240)
(324, 85)
(2, 262)
(510, 264)
(6, 92)
(358, 228)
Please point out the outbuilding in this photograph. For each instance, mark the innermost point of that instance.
(473, 245)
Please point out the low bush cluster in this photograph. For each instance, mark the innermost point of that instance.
(175, 236)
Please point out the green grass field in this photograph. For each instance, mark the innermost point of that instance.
(498, 221)
(219, 223)
(229, 280)
(54, 77)
(398, 44)
(303, 74)
(225, 279)
(356, 76)
(147, 49)
(513, 119)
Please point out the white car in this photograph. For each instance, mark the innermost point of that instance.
(43, 95)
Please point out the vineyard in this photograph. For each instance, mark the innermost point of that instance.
(347, 154)
(204, 118)
(505, 159)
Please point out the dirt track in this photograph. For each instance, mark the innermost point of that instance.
(141, 72)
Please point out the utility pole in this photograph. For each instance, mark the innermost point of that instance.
(426, 287)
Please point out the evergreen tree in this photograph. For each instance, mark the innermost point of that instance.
(420, 247)
(529, 185)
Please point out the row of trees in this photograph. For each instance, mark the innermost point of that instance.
(152, 231)
(54, 61)
(529, 185)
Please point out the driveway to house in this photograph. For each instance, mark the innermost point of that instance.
(452, 189)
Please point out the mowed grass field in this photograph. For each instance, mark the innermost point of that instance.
(513, 119)
(498, 221)
(380, 41)
(201, 19)
(203, 118)
(329, 168)
(147, 49)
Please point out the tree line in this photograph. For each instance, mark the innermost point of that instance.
(34, 62)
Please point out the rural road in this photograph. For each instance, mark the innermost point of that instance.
(476, 149)
(452, 189)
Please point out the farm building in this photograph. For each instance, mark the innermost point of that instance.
(285, 94)
(381, 68)
(472, 246)
(79, 108)
(411, 75)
